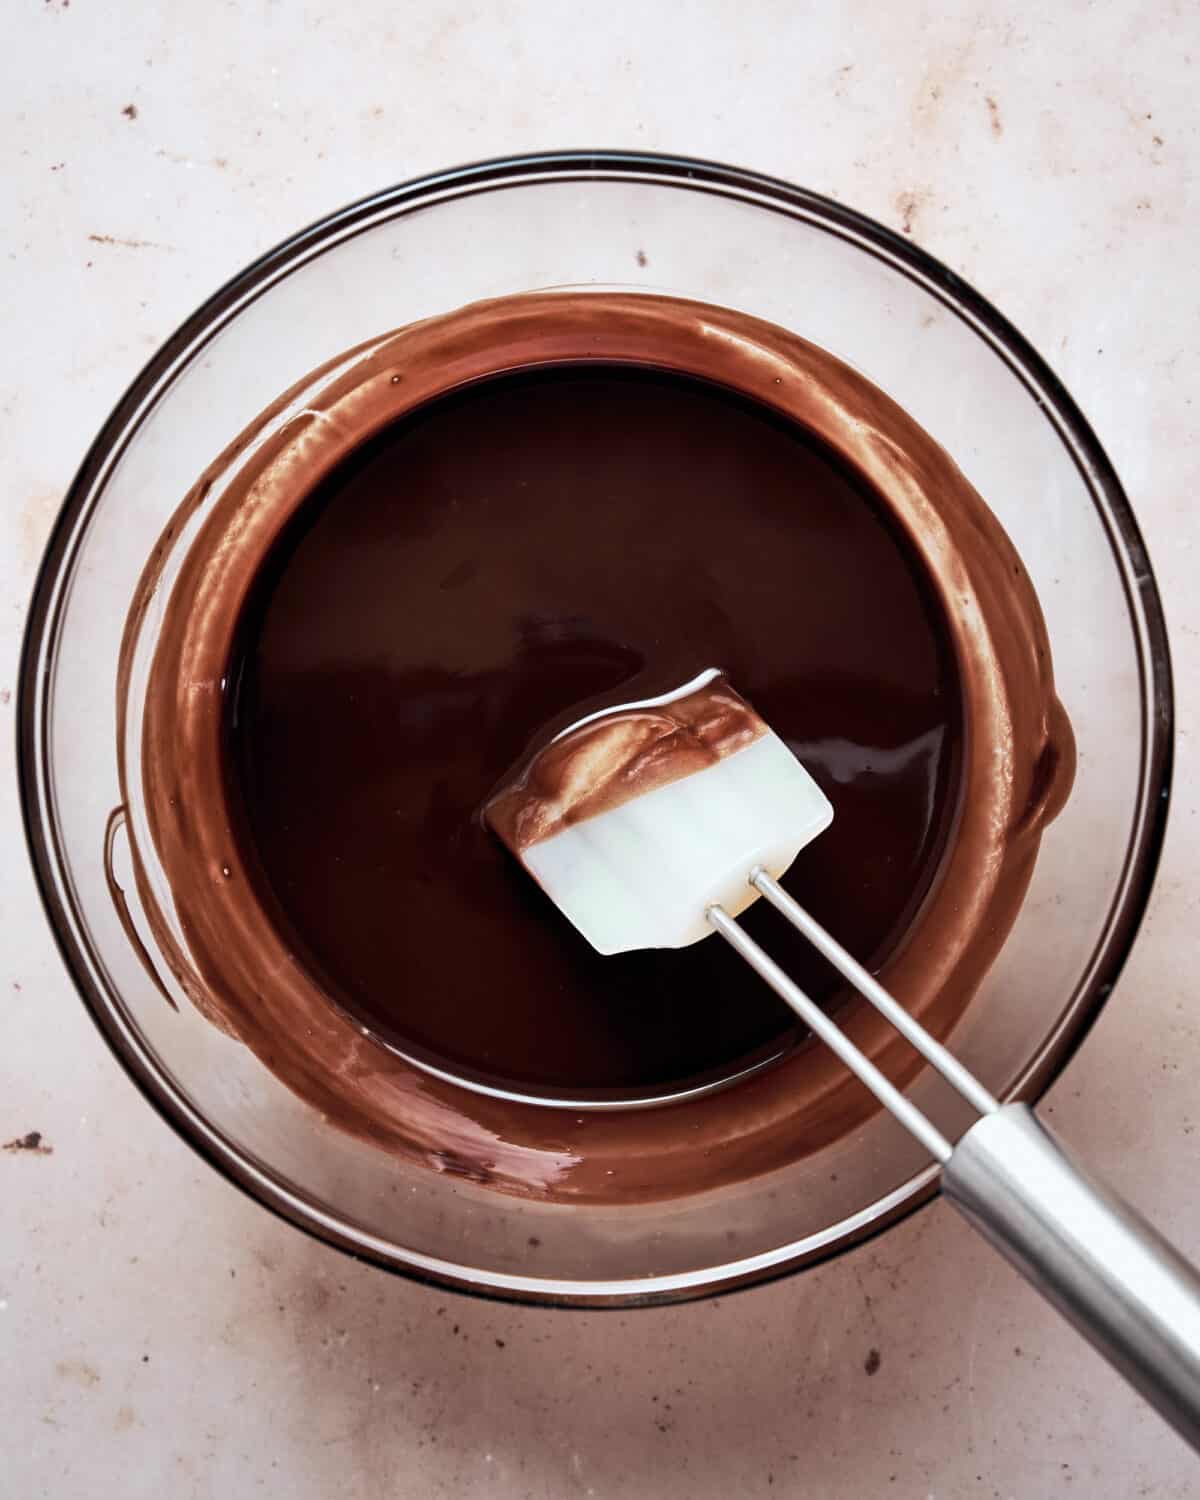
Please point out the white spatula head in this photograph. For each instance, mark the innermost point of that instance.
(634, 820)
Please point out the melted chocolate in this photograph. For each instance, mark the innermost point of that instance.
(707, 576)
(501, 561)
(605, 760)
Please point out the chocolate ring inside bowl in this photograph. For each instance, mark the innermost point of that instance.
(227, 929)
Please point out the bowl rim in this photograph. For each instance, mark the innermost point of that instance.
(1142, 597)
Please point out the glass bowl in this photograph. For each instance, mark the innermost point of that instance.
(632, 222)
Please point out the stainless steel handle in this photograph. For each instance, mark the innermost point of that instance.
(1105, 1269)
(1116, 1279)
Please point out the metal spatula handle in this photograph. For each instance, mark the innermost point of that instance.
(1096, 1259)
(1106, 1270)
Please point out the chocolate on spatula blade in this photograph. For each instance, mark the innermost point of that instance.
(634, 820)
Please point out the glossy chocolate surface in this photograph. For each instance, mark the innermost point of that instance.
(493, 607)
(500, 562)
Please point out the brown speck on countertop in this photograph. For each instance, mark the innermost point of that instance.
(112, 239)
(872, 1362)
(31, 1142)
(17, 985)
(130, 112)
(534, 1242)
(908, 206)
(641, 258)
(499, 1343)
(996, 122)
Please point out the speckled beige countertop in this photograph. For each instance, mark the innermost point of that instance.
(162, 1334)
